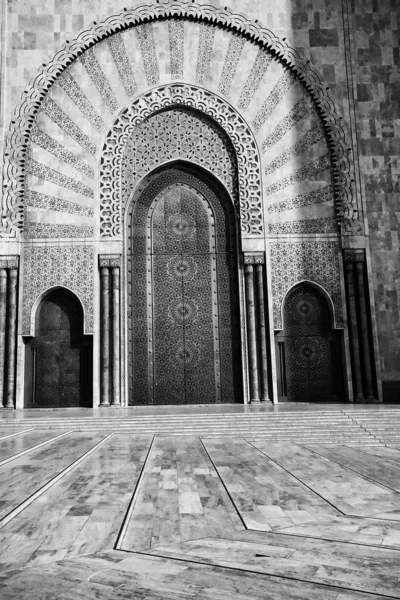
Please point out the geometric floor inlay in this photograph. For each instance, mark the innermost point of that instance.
(94, 515)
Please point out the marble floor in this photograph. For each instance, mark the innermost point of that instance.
(97, 515)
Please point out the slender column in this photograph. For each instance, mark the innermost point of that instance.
(116, 344)
(262, 332)
(3, 305)
(11, 335)
(105, 336)
(354, 332)
(251, 333)
(364, 328)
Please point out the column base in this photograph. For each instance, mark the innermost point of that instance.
(255, 401)
(104, 406)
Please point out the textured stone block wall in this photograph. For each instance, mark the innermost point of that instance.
(376, 43)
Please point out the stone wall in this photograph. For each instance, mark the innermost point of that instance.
(376, 44)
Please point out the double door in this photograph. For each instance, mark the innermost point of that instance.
(184, 314)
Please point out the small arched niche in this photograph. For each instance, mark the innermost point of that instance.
(58, 359)
(308, 349)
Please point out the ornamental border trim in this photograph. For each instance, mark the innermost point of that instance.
(17, 139)
(161, 98)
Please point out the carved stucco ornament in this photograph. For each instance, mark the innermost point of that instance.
(179, 94)
(12, 206)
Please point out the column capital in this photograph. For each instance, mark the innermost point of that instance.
(354, 255)
(9, 262)
(254, 258)
(109, 260)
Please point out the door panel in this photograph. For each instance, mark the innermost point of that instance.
(184, 314)
(308, 349)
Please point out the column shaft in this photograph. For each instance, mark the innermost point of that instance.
(3, 308)
(11, 335)
(357, 381)
(262, 332)
(251, 333)
(365, 346)
(105, 336)
(116, 345)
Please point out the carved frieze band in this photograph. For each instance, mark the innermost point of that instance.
(40, 170)
(140, 18)
(39, 200)
(321, 225)
(242, 139)
(36, 231)
(317, 262)
(280, 89)
(54, 266)
(204, 55)
(232, 58)
(296, 113)
(317, 166)
(96, 74)
(121, 60)
(311, 137)
(258, 70)
(42, 139)
(325, 194)
(176, 48)
(58, 116)
(74, 92)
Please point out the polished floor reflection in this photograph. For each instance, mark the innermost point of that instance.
(111, 515)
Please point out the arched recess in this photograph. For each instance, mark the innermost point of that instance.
(309, 349)
(183, 315)
(58, 359)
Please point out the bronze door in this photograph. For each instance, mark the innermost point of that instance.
(191, 319)
(308, 350)
(58, 358)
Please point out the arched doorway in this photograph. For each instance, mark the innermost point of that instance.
(308, 349)
(58, 358)
(183, 306)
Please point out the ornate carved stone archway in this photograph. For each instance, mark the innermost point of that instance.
(21, 126)
(240, 135)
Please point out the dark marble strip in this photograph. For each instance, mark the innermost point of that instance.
(74, 92)
(258, 70)
(96, 74)
(39, 200)
(309, 139)
(295, 115)
(280, 89)
(43, 140)
(118, 52)
(39, 170)
(148, 49)
(206, 44)
(321, 225)
(233, 54)
(320, 196)
(176, 48)
(51, 230)
(317, 166)
(58, 116)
